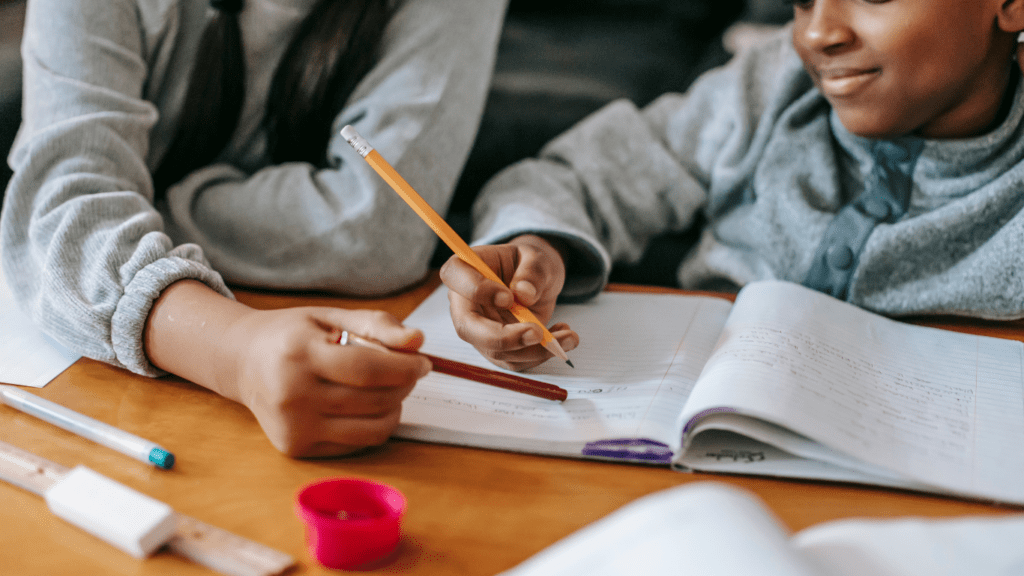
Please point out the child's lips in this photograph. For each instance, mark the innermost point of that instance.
(844, 82)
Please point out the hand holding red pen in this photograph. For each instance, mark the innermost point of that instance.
(312, 397)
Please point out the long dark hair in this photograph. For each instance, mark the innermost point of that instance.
(334, 47)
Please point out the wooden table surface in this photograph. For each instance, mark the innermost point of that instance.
(469, 511)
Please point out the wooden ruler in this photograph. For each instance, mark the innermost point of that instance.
(198, 541)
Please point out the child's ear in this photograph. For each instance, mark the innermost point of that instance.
(1011, 16)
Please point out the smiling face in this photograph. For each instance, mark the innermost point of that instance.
(889, 68)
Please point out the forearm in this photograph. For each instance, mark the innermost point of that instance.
(189, 333)
(607, 187)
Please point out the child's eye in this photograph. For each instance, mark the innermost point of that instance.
(801, 4)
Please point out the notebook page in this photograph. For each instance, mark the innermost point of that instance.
(638, 359)
(939, 407)
(705, 528)
(912, 546)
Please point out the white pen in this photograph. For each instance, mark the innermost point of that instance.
(86, 427)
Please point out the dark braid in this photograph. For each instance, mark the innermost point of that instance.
(334, 47)
(213, 102)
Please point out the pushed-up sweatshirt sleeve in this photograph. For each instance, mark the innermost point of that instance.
(83, 248)
(86, 253)
(624, 175)
(342, 228)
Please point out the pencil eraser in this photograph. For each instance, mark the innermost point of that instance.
(112, 511)
(356, 141)
(349, 133)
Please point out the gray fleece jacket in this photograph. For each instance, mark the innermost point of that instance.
(787, 194)
(85, 251)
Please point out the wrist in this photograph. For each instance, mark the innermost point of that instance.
(229, 354)
(192, 332)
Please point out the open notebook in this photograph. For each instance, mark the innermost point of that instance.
(714, 529)
(785, 382)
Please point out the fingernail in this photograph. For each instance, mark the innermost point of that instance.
(531, 338)
(502, 299)
(568, 343)
(527, 290)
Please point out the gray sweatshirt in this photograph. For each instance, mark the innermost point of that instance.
(787, 193)
(84, 250)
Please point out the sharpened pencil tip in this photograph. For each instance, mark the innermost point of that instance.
(569, 362)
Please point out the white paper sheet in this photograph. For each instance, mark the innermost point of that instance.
(703, 528)
(27, 356)
(915, 546)
(712, 529)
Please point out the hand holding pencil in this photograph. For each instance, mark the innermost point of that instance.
(491, 329)
(530, 265)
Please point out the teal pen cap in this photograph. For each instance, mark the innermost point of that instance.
(162, 458)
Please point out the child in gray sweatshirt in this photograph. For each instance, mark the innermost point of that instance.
(872, 151)
(170, 147)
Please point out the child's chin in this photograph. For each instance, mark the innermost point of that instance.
(872, 127)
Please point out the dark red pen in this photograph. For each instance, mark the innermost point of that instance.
(471, 372)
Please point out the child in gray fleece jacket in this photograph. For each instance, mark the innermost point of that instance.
(125, 256)
(872, 151)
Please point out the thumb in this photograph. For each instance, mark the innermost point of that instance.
(387, 330)
(374, 325)
(536, 278)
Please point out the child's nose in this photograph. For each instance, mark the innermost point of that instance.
(823, 26)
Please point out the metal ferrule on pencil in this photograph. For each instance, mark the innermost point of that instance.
(361, 146)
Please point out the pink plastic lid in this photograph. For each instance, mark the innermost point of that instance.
(351, 523)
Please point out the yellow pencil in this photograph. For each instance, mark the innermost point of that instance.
(443, 230)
